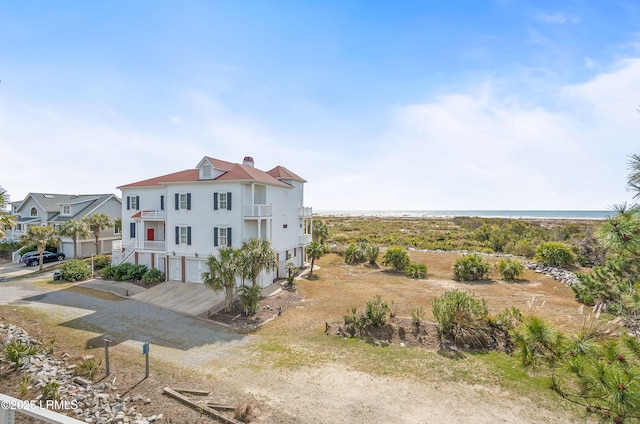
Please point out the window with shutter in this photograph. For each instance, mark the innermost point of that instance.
(222, 200)
(132, 230)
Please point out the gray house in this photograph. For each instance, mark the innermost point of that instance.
(55, 209)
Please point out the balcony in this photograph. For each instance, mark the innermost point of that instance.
(305, 212)
(257, 211)
(304, 239)
(153, 215)
(154, 245)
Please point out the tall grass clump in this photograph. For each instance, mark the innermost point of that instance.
(462, 318)
(397, 258)
(415, 270)
(555, 254)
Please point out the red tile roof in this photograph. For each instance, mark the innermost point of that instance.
(232, 172)
(282, 173)
(176, 177)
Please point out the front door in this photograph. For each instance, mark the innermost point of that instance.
(150, 234)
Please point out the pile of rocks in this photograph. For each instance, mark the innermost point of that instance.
(89, 402)
(562, 275)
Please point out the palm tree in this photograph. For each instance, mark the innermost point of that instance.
(319, 231)
(6, 220)
(222, 273)
(257, 255)
(96, 223)
(314, 250)
(76, 230)
(633, 180)
(40, 235)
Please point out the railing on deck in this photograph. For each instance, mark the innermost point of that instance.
(257, 210)
(9, 406)
(305, 212)
(153, 215)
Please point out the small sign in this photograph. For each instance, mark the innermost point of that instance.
(145, 348)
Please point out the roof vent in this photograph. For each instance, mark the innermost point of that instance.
(248, 161)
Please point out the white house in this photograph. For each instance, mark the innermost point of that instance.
(175, 222)
(55, 209)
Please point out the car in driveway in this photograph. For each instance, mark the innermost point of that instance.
(33, 258)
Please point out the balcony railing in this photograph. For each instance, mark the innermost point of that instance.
(304, 239)
(257, 211)
(305, 212)
(153, 215)
(154, 245)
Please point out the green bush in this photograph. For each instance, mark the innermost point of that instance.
(417, 316)
(16, 352)
(470, 268)
(415, 270)
(376, 312)
(108, 272)
(355, 254)
(510, 269)
(371, 251)
(50, 390)
(101, 261)
(129, 272)
(153, 275)
(249, 296)
(75, 270)
(463, 318)
(555, 254)
(397, 258)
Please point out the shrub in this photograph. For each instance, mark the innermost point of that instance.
(153, 275)
(417, 316)
(376, 312)
(463, 318)
(101, 261)
(371, 252)
(15, 352)
(249, 296)
(354, 254)
(108, 271)
(75, 270)
(415, 270)
(555, 254)
(88, 366)
(510, 269)
(396, 257)
(129, 272)
(470, 268)
(50, 390)
(352, 322)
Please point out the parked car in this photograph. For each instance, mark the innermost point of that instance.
(33, 258)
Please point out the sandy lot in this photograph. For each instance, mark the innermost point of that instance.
(293, 373)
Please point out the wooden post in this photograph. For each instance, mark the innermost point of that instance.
(145, 351)
(106, 356)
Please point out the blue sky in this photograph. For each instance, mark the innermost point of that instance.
(379, 105)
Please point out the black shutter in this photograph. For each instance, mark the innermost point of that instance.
(215, 201)
(229, 201)
(162, 202)
(215, 236)
(177, 201)
(128, 202)
(188, 201)
(138, 203)
(132, 230)
(177, 235)
(228, 237)
(189, 236)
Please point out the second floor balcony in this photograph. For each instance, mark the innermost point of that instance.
(257, 211)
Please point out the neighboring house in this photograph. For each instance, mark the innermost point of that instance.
(175, 222)
(54, 209)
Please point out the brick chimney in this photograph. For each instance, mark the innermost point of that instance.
(248, 161)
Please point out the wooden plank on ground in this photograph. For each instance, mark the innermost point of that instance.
(220, 406)
(193, 391)
(206, 409)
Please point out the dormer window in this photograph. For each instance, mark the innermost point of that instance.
(66, 209)
(34, 212)
(206, 171)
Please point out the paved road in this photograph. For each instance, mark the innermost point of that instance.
(120, 319)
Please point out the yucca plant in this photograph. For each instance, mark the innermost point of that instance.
(471, 268)
(510, 269)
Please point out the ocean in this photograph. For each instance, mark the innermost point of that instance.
(533, 214)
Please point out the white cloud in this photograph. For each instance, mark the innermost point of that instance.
(556, 18)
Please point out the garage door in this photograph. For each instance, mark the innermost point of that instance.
(195, 268)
